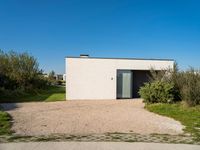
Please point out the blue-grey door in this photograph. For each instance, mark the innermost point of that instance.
(124, 83)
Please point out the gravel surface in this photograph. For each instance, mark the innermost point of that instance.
(88, 117)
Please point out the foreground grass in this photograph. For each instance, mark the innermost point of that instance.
(54, 93)
(188, 116)
(5, 124)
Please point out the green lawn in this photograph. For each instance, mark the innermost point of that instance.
(51, 94)
(54, 93)
(5, 124)
(188, 116)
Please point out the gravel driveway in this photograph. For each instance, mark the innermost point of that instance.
(88, 117)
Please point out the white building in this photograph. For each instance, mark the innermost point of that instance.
(64, 77)
(109, 78)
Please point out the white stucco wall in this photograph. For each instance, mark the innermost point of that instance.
(93, 78)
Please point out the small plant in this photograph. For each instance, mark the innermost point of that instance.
(5, 124)
(157, 92)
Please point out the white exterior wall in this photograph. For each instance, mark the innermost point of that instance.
(93, 78)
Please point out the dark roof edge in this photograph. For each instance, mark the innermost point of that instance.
(119, 58)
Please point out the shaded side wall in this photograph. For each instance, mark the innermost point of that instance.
(139, 78)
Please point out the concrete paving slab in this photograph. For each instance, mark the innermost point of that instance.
(95, 146)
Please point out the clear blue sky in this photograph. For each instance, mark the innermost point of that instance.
(51, 30)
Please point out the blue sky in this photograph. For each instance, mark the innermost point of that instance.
(53, 29)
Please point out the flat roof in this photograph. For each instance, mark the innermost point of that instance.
(119, 58)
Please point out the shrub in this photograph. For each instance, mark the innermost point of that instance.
(186, 85)
(157, 92)
(59, 82)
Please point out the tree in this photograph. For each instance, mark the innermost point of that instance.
(19, 70)
(52, 75)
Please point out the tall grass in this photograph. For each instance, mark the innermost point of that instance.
(189, 86)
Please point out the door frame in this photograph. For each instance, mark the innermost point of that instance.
(131, 86)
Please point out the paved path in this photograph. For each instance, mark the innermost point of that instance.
(95, 146)
(88, 117)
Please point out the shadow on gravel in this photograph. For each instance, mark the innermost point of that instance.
(8, 106)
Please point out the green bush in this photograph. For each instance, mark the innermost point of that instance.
(157, 92)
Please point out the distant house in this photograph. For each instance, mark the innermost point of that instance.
(56, 77)
(45, 75)
(64, 77)
(59, 77)
(109, 78)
